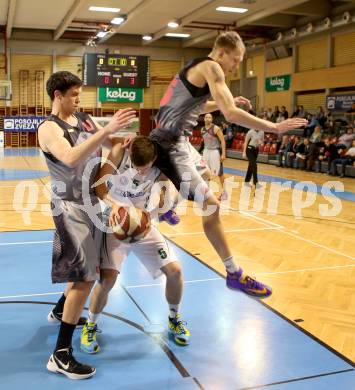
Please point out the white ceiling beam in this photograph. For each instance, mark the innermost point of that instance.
(280, 8)
(63, 25)
(312, 8)
(137, 10)
(282, 21)
(186, 19)
(253, 18)
(200, 38)
(10, 17)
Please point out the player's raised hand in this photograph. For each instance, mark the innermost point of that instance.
(289, 124)
(127, 140)
(120, 120)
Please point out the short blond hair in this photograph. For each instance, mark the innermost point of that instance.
(229, 40)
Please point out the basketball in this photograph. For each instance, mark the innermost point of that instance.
(129, 224)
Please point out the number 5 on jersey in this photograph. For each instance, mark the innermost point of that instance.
(162, 254)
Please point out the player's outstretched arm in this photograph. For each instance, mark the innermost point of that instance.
(215, 78)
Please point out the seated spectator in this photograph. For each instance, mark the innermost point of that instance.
(321, 117)
(312, 123)
(284, 112)
(269, 114)
(305, 158)
(295, 112)
(316, 136)
(302, 112)
(275, 114)
(280, 118)
(286, 147)
(347, 159)
(327, 153)
(345, 140)
(297, 147)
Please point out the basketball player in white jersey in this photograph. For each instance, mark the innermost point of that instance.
(214, 150)
(134, 181)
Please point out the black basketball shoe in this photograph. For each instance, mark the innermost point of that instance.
(63, 362)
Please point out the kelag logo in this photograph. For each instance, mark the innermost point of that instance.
(130, 95)
(122, 94)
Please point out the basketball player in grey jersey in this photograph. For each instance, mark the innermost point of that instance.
(70, 141)
(186, 98)
(214, 151)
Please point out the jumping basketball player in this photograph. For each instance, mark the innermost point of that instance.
(186, 98)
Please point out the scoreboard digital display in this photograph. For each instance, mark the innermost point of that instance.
(116, 70)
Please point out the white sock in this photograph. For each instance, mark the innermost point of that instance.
(173, 310)
(93, 317)
(231, 267)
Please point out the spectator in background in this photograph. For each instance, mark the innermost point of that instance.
(269, 114)
(352, 109)
(286, 147)
(347, 159)
(327, 153)
(229, 135)
(311, 155)
(296, 112)
(301, 154)
(253, 140)
(329, 125)
(297, 147)
(350, 114)
(346, 139)
(302, 112)
(275, 114)
(280, 118)
(312, 123)
(321, 117)
(316, 137)
(284, 112)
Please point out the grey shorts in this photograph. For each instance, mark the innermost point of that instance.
(76, 245)
(184, 166)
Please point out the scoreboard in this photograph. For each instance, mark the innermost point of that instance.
(116, 70)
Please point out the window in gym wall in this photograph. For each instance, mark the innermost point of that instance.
(312, 55)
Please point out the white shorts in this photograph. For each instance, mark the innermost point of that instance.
(152, 251)
(189, 168)
(213, 160)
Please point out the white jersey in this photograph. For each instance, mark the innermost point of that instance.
(128, 187)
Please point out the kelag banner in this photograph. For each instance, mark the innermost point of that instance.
(278, 83)
(130, 95)
(22, 123)
(340, 102)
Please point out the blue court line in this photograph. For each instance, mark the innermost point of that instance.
(319, 189)
(236, 342)
(30, 152)
(21, 174)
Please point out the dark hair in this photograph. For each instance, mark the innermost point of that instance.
(229, 40)
(142, 151)
(61, 81)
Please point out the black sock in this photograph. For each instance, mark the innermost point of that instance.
(59, 307)
(65, 335)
